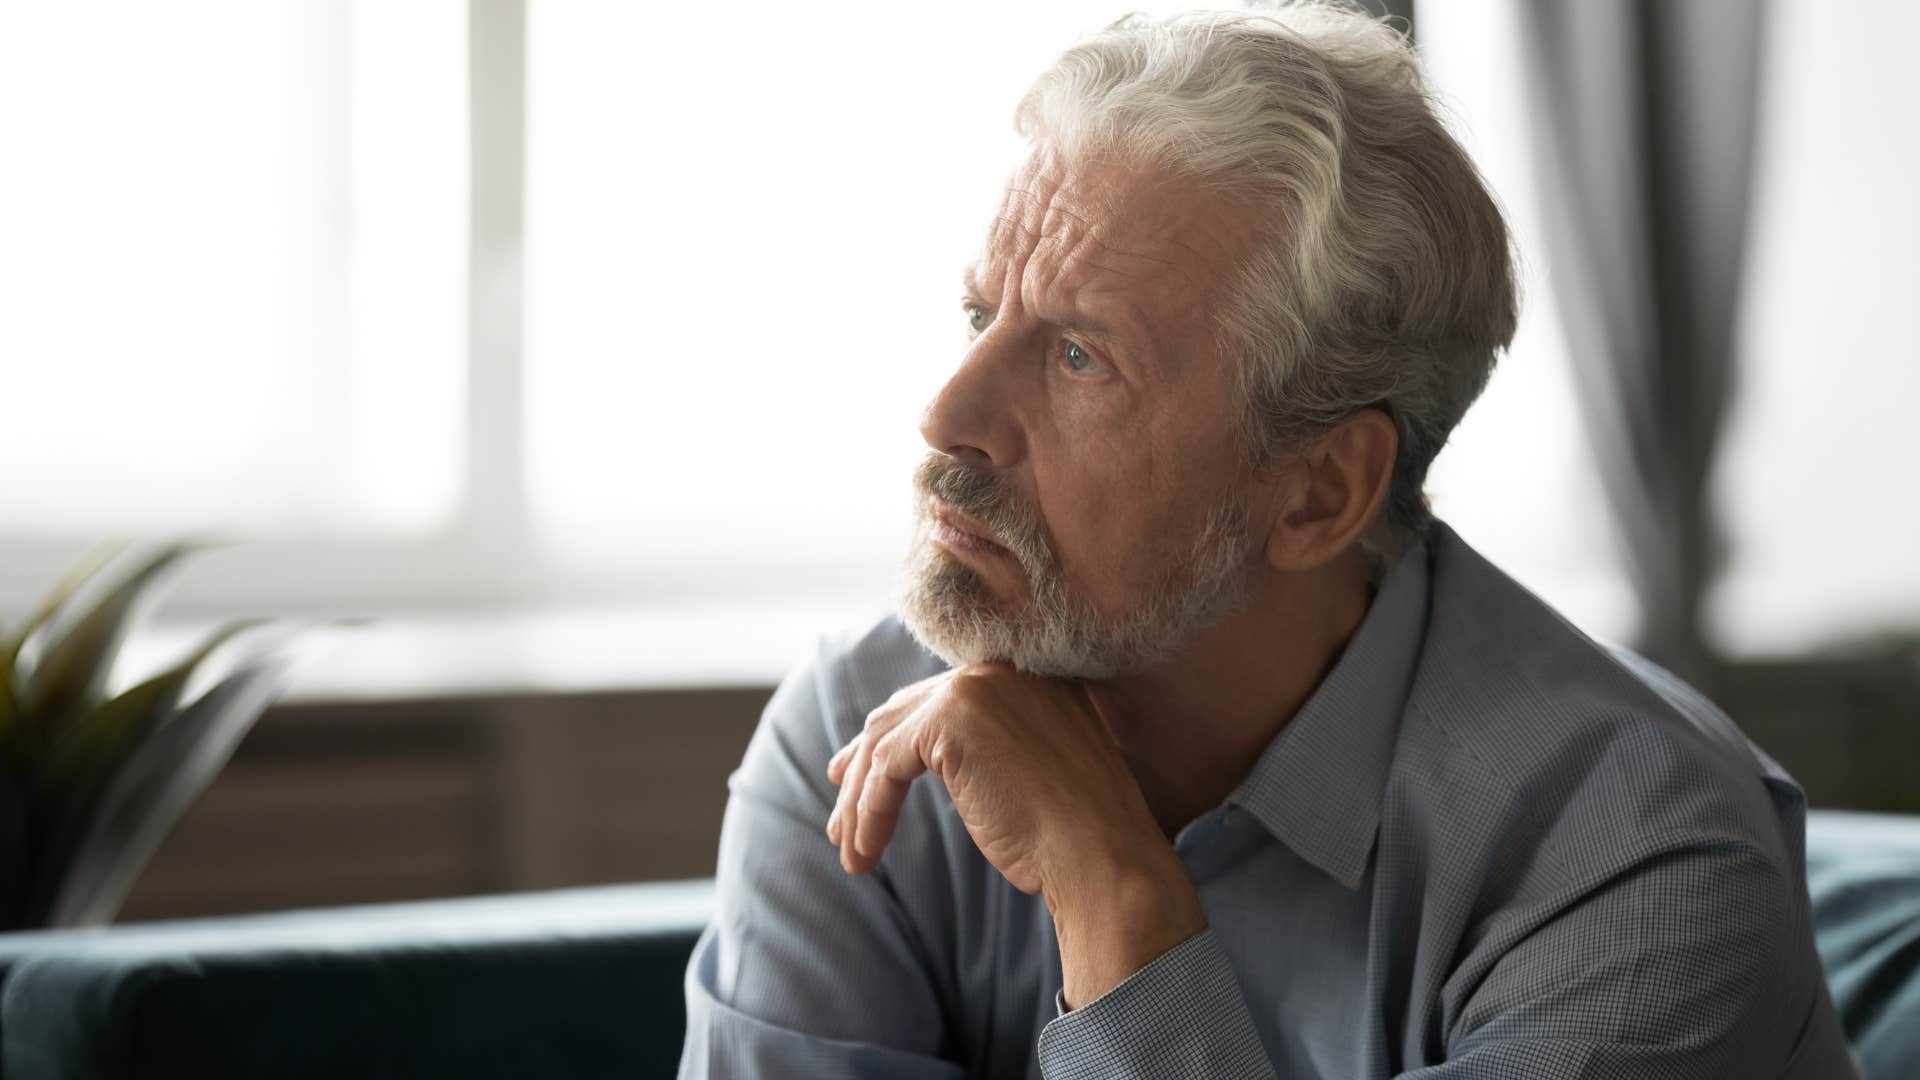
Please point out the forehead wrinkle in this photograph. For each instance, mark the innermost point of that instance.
(1080, 229)
(1075, 258)
(1030, 206)
(1048, 246)
(999, 249)
(1037, 271)
(1128, 325)
(1091, 233)
(1049, 204)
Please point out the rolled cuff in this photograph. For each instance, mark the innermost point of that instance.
(1182, 1015)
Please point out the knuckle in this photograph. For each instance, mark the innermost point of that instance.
(961, 691)
(943, 756)
(974, 683)
(888, 752)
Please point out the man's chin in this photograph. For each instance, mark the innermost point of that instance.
(962, 633)
(952, 610)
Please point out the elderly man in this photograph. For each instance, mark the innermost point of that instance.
(1240, 764)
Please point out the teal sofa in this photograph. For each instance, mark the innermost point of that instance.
(587, 982)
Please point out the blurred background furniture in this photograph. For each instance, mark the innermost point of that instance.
(587, 982)
(564, 983)
(1863, 875)
(474, 790)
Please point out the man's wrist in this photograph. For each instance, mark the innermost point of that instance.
(1115, 914)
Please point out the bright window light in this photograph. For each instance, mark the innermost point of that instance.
(232, 265)
(1518, 480)
(743, 249)
(233, 274)
(1816, 477)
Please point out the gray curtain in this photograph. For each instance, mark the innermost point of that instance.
(1644, 115)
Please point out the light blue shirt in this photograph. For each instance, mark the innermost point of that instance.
(1485, 847)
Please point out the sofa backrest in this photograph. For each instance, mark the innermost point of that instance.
(588, 982)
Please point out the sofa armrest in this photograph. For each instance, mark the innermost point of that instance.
(581, 982)
(1863, 877)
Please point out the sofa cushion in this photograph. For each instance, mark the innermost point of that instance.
(583, 982)
(1863, 876)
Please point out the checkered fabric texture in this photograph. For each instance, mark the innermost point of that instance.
(1487, 847)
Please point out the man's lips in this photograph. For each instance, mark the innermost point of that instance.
(958, 532)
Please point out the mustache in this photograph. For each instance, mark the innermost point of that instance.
(992, 500)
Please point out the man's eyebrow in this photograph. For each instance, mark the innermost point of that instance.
(970, 281)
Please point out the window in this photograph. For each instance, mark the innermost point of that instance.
(1815, 481)
(242, 245)
(1517, 479)
(744, 252)
(749, 402)
(232, 265)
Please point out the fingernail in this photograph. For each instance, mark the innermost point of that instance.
(833, 827)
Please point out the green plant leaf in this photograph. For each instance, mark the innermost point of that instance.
(11, 752)
(91, 562)
(68, 676)
(151, 790)
(15, 736)
(80, 753)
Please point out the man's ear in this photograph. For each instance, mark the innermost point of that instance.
(1337, 484)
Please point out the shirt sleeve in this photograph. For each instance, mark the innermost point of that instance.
(1183, 1015)
(805, 970)
(1685, 962)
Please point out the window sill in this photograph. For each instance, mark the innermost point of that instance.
(436, 656)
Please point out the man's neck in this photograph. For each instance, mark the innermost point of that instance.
(1193, 729)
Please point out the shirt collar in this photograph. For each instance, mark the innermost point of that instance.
(1317, 786)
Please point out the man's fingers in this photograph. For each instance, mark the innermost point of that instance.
(848, 811)
(849, 767)
(903, 700)
(837, 770)
(894, 764)
(837, 765)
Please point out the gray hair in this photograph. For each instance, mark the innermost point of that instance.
(1383, 277)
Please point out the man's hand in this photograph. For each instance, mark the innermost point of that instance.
(1047, 797)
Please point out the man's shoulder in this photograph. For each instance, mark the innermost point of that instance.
(1571, 738)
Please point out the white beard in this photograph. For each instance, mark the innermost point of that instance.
(950, 609)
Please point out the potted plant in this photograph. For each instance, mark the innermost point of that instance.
(91, 781)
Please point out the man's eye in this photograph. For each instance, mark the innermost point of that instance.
(977, 318)
(1078, 359)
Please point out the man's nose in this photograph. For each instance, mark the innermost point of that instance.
(972, 417)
